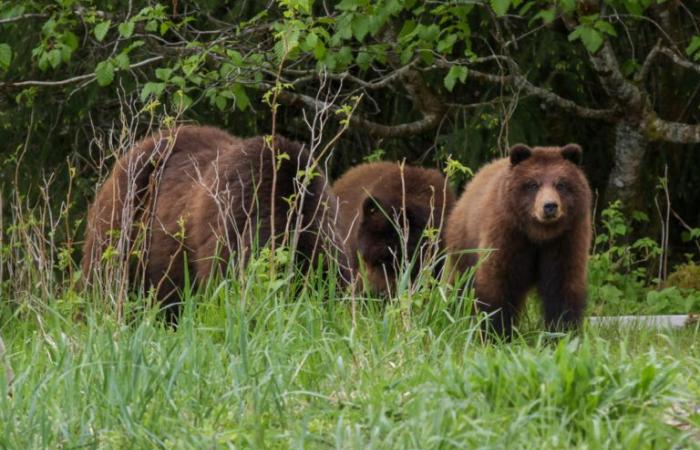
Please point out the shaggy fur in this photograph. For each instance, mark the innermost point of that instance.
(196, 195)
(375, 200)
(531, 216)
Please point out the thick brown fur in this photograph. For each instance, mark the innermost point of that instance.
(196, 196)
(375, 199)
(530, 217)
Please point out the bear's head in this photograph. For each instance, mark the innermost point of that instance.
(547, 190)
(390, 233)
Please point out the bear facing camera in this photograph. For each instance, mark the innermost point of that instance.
(388, 207)
(530, 216)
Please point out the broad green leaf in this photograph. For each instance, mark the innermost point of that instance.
(122, 61)
(363, 60)
(310, 41)
(547, 15)
(126, 29)
(101, 30)
(163, 73)
(54, 56)
(445, 45)
(242, 100)
(592, 39)
(152, 89)
(605, 27)
(360, 26)
(104, 72)
(5, 56)
(693, 49)
(455, 73)
(182, 100)
(568, 6)
(500, 7)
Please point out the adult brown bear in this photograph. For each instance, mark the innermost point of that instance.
(531, 214)
(189, 198)
(387, 207)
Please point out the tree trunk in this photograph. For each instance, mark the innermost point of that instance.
(630, 148)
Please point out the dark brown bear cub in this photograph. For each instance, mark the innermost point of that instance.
(191, 197)
(530, 213)
(387, 208)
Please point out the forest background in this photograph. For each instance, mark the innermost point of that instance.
(447, 84)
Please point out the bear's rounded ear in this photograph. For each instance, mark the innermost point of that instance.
(519, 153)
(572, 152)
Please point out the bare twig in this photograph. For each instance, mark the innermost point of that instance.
(87, 76)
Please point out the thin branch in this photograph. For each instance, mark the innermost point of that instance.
(680, 60)
(87, 76)
(23, 17)
(428, 122)
(646, 67)
(609, 115)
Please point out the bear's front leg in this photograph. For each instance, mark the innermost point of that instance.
(501, 286)
(562, 287)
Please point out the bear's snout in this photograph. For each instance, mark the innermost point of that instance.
(547, 207)
(550, 210)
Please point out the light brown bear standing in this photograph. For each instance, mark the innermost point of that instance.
(186, 200)
(531, 215)
(387, 208)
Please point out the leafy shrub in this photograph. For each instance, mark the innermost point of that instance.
(619, 279)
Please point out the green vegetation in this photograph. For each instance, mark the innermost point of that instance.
(293, 368)
(266, 360)
(269, 360)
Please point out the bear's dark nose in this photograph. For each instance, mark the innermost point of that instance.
(550, 209)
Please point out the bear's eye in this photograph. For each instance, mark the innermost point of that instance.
(562, 186)
(530, 186)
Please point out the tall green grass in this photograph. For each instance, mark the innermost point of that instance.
(256, 363)
(269, 359)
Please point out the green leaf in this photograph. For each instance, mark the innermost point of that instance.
(455, 73)
(605, 27)
(590, 37)
(181, 100)
(360, 26)
(500, 7)
(54, 56)
(693, 49)
(122, 61)
(242, 100)
(104, 72)
(163, 73)
(152, 89)
(547, 16)
(5, 56)
(126, 29)
(568, 6)
(101, 30)
(445, 45)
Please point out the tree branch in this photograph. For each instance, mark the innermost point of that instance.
(624, 93)
(23, 17)
(608, 115)
(657, 129)
(87, 76)
(428, 122)
(680, 60)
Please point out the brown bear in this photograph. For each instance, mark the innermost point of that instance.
(387, 208)
(188, 197)
(530, 215)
